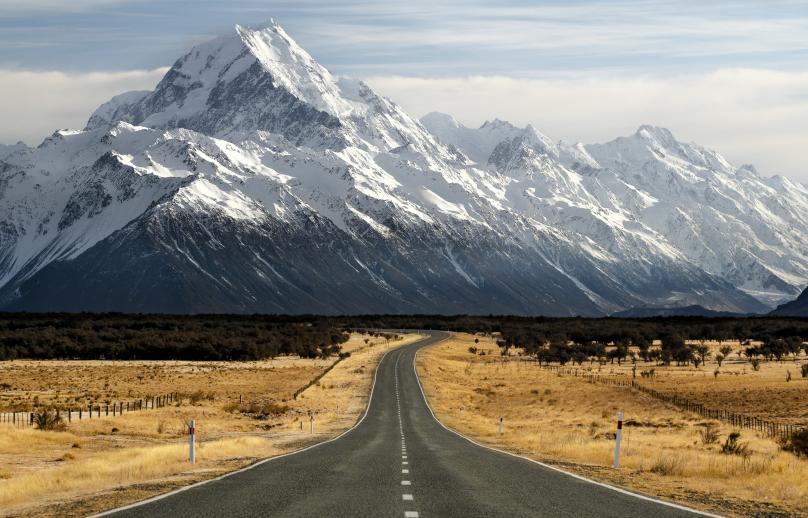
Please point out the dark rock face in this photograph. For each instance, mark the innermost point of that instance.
(169, 262)
(795, 308)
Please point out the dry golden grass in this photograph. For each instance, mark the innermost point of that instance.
(90, 467)
(566, 421)
(767, 393)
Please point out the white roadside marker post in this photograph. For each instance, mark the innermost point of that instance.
(617, 437)
(500, 425)
(191, 440)
(311, 424)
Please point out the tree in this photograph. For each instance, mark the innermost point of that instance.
(703, 351)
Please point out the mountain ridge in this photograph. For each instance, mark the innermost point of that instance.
(252, 180)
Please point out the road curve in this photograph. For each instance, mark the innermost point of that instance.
(400, 462)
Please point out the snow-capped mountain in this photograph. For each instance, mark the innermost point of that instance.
(729, 221)
(253, 180)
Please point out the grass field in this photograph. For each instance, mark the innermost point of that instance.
(734, 385)
(568, 422)
(244, 412)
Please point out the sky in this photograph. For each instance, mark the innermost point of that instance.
(731, 75)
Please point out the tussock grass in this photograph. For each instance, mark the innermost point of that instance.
(43, 468)
(566, 420)
(123, 467)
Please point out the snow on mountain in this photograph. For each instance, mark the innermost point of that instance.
(251, 179)
(683, 199)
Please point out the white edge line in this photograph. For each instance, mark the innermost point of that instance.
(548, 466)
(260, 462)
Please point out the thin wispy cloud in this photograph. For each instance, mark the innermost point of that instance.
(15, 7)
(41, 102)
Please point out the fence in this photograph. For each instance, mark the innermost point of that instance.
(770, 428)
(26, 419)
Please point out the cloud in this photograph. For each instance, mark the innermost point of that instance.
(749, 115)
(35, 104)
(538, 36)
(27, 6)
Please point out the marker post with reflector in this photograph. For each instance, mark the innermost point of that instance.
(191, 440)
(617, 437)
(500, 425)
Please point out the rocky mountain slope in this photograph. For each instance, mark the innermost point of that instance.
(796, 308)
(252, 180)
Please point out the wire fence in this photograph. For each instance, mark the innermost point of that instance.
(764, 426)
(93, 411)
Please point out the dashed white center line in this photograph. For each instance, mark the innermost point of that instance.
(407, 497)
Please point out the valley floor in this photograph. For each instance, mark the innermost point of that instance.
(245, 411)
(569, 423)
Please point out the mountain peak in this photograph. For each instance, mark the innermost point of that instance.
(251, 79)
(498, 124)
(659, 134)
(440, 120)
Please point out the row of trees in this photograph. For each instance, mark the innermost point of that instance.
(521, 330)
(164, 337)
(673, 349)
(250, 337)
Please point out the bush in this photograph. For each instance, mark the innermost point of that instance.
(257, 410)
(755, 364)
(473, 350)
(669, 465)
(805, 370)
(797, 443)
(196, 397)
(709, 435)
(49, 420)
(732, 446)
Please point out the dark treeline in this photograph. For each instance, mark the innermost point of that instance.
(250, 337)
(165, 337)
(521, 331)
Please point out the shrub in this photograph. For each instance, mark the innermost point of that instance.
(709, 435)
(49, 420)
(796, 443)
(732, 446)
(755, 364)
(257, 410)
(670, 465)
(473, 350)
(805, 370)
(196, 397)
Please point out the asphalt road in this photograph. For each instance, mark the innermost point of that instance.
(400, 462)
